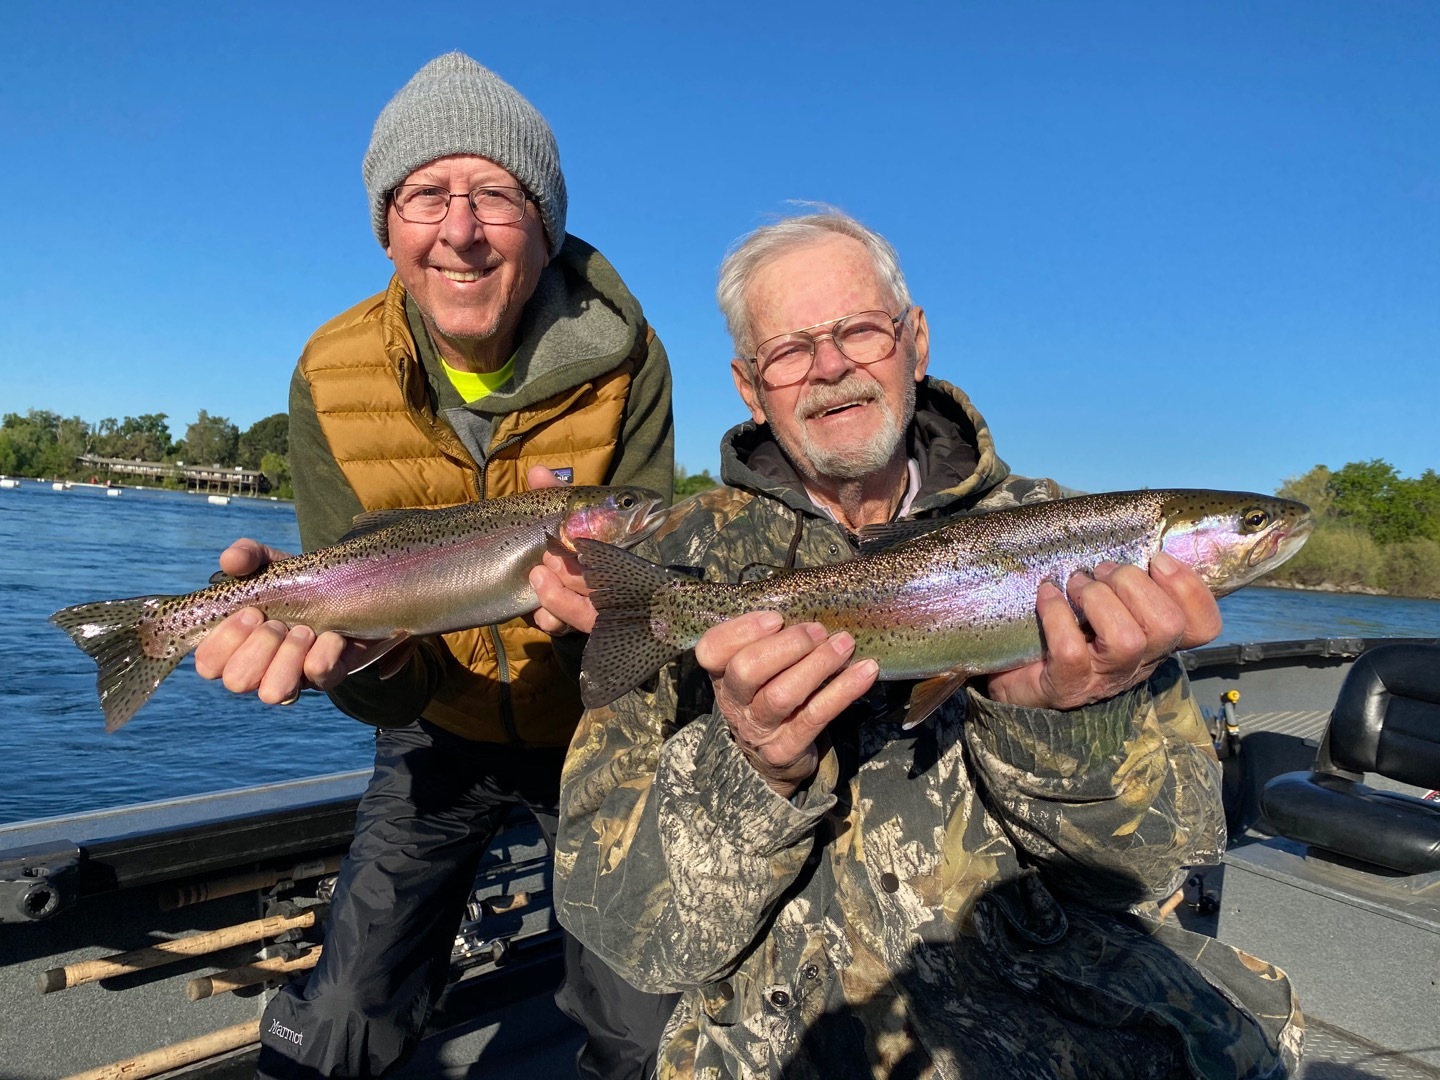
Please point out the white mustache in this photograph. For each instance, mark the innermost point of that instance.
(851, 390)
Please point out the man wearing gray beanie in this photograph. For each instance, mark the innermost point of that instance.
(503, 354)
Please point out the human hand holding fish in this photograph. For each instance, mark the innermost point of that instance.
(1128, 622)
(564, 597)
(252, 654)
(778, 687)
(558, 583)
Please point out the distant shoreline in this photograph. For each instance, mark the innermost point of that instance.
(1331, 587)
(46, 482)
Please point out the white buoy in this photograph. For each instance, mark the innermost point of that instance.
(112, 492)
(9, 482)
(218, 500)
(57, 486)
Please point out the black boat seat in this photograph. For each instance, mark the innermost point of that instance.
(1386, 721)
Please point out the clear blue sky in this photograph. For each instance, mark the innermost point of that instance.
(1159, 243)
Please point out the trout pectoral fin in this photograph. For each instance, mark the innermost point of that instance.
(390, 654)
(929, 695)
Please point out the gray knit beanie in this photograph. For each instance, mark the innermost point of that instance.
(452, 105)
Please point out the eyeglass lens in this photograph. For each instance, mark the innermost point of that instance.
(423, 204)
(863, 338)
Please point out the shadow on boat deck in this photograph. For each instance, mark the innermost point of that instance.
(499, 1029)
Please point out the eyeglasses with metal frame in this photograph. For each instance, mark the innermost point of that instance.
(428, 204)
(864, 337)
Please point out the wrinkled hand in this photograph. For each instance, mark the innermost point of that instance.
(771, 686)
(1135, 621)
(251, 654)
(564, 597)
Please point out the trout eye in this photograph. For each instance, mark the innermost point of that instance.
(1255, 520)
(626, 502)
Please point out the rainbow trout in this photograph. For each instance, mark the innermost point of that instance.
(397, 575)
(951, 603)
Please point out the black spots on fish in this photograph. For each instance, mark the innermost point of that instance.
(623, 649)
(618, 578)
(127, 682)
(620, 654)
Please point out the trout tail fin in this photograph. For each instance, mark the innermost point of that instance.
(622, 651)
(109, 633)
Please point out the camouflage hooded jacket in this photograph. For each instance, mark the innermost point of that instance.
(957, 900)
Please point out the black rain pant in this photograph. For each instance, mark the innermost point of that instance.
(431, 809)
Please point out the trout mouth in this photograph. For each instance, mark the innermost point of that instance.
(653, 519)
(1283, 542)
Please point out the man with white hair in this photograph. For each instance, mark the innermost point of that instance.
(835, 894)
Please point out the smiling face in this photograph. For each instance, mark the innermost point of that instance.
(470, 281)
(844, 421)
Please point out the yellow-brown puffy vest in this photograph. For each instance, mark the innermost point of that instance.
(503, 683)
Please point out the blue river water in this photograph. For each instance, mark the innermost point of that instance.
(64, 547)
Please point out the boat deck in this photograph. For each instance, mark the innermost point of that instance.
(507, 1030)
(498, 1018)
(1332, 1054)
(1307, 724)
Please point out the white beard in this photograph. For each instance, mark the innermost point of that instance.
(844, 463)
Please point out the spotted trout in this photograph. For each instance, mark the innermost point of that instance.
(943, 606)
(396, 575)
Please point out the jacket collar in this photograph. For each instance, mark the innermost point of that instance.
(581, 323)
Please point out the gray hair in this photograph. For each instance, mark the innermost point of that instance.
(748, 254)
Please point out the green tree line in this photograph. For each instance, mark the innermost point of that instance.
(44, 444)
(686, 485)
(1375, 530)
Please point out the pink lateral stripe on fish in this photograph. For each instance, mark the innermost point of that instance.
(951, 603)
(398, 575)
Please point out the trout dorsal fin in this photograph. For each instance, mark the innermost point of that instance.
(374, 520)
(876, 538)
